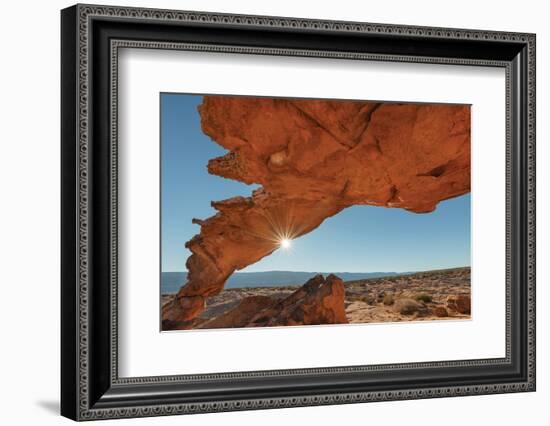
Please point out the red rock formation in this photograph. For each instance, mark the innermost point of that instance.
(242, 314)
(440, 311)
(460, 303)
(314, 158)
(318, 301)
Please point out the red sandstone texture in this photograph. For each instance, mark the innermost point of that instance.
(314, 158)
(319, 301)
(460, 303)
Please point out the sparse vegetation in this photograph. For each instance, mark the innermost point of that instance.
(378, 299)
(409, 307)
(369, 300)
(426, 298)
(388, 300)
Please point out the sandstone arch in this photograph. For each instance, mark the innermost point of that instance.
(314, 158)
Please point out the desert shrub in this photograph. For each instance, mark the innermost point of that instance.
(409, 307)
(388, 300)
(370, 300)
(426, 298)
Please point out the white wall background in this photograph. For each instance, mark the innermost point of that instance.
(29, 211)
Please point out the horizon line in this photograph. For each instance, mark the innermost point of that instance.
(340, 272)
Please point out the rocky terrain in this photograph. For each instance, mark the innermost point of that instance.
(431, 295)
(314, 158)
(443, 294)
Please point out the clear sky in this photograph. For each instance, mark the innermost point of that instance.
(359, 239)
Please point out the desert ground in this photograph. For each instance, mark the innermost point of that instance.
(421, 296)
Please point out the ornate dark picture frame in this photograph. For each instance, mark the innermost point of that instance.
(91, 37)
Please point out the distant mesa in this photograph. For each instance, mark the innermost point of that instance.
(171, 282)
(314, 158)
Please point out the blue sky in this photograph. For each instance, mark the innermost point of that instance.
(359, 239)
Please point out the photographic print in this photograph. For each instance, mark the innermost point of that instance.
(363, 184)
(301, 212)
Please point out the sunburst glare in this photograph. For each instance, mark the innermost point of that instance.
(285, 243)
(280, 229)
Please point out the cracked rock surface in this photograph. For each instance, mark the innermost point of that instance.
(314, 158)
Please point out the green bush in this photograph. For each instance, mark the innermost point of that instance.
(426, 298)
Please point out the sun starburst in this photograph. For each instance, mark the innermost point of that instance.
(280, 230)
(285, 243)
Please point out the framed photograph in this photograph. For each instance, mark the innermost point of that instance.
(263, 212)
